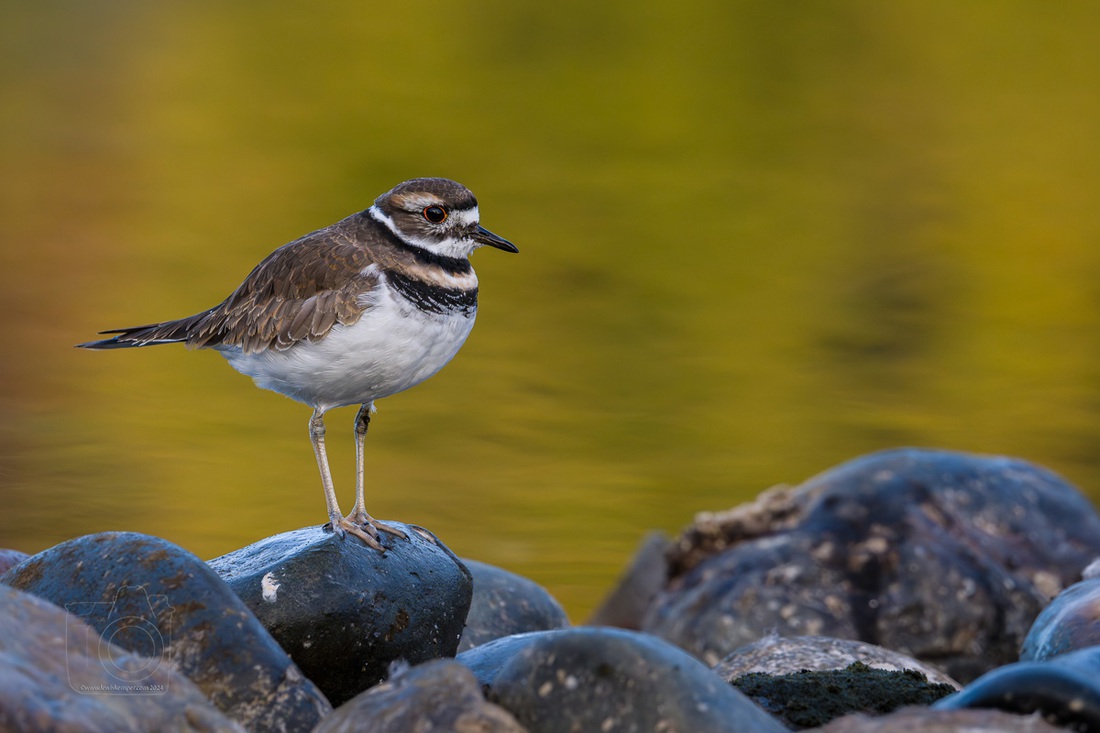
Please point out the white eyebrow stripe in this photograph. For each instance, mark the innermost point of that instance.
(377, 215)
(384, 219)
(466, 217)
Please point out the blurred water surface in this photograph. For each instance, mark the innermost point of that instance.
(757, 239)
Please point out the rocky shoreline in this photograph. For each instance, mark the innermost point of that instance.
(951, 582)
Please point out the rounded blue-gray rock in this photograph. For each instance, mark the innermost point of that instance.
(1064, 690)
(441, 695)
(1070, 622)
(345, 611)
(155, 599)
(593, 679)
(504, 604)
(486, 660)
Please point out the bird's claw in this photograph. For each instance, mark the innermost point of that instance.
(372, 525)
(343, 527)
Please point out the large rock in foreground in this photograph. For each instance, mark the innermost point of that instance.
(155, 599)
(442, 695)
(593, 679)
(945, 556)
(48, 656)
(345, 611)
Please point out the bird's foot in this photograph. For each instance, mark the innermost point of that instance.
(366, 521)
(366, 532)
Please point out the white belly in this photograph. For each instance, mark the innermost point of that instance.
(392, 347)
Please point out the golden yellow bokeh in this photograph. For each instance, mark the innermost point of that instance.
(757, 239)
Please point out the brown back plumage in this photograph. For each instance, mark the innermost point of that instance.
(298, 292)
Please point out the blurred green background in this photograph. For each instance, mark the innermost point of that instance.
(757, 239)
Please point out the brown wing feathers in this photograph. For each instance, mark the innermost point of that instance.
(299, 292)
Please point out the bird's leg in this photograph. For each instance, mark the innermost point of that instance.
(362, 422)
(336, 518)
(317, 436)
(359, 511)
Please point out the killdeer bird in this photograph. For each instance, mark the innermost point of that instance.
(348, 314)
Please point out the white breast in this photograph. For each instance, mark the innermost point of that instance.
(393, 346)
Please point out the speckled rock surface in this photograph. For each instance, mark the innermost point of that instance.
(345, 611)
(778, 655)
(504, 604)
(947, 557)
(57, 674)
(603, 679)
(486, 660)
(1070, 622)
(923, 720)
(436, 696)
(153, 598)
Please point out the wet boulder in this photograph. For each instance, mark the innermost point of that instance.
(442, 695)
(344, 611)
(589, 678)
(1070, 622)
(1064, 690)
(947, 557)
(49, 656)
(486, 660)
(504, 604)
(154, 599)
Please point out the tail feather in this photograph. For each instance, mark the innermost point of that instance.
(168, 332)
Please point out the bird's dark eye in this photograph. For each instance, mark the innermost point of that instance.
(435, 214)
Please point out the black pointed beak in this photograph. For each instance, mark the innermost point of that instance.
(484, 236)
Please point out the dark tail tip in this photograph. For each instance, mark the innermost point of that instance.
(112, 343)
(129, 338)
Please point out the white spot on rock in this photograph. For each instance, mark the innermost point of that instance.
(269, 586)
